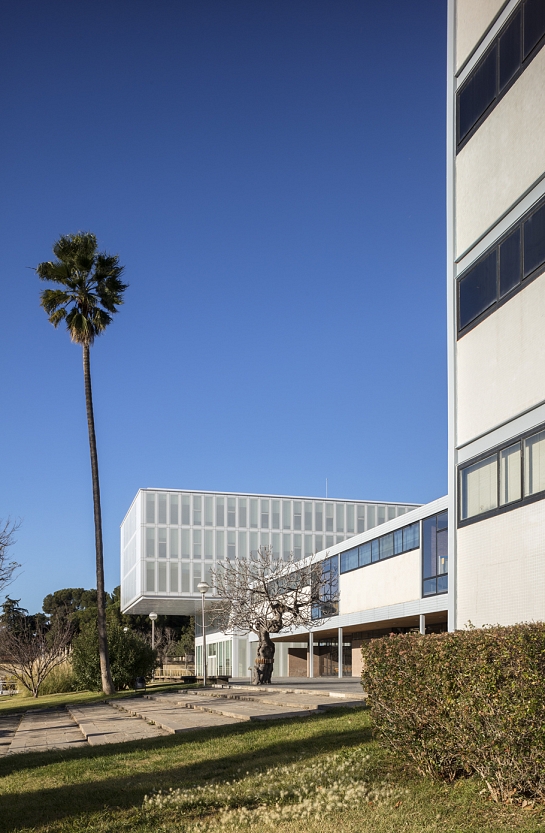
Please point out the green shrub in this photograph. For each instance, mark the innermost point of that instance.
(464, 702)
(130, 657)
(60, 680)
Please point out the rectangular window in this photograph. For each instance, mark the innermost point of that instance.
(375, 550)
(231, 511)
(197, 577)
(208, 510)
(209, 544)
(275, 543)
(253, 543)
(477, 94)
(253, 513)
(162, 541)
(398, 541)
(339, 516)
(162, 578)
(381, 515)
(220, 545)
(318, 543)
(297, 514)
(308, 546)
(197, 510)
(510, 474)
(510, 262)
(534, 24)
(150, 542)
(361, 519)
(350, 560)
(185, 510)
(150, 576)
(174, 511)
(185, 543)
(350, 518)
(411, 537)
(371, 522)
(308, 517)
(197, 543)
(185, 578)
(386, 546)
(477, 290)
(534, 464)
(174, 547)
(318, 516)
(174, 577)
(286, 514)
(264, 539)
(510, 50)
(329, 541)
(479, 490)
(231, 545)
(242, 512)
(276, 514)
(220, 511)
(534, 241)
(243, 545)
(329, 517)
(435, 554)
(365, 554)
(264, 514)
(297, 546)
(286, 546)
(326, 588)
(150, 507)
(162, 508)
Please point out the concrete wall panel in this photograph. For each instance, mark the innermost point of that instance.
(473, 18)
(385, 583)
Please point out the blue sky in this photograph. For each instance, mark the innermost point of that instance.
(272, 177)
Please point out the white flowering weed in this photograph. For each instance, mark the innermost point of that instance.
(329, 785)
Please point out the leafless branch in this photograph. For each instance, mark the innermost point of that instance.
(31, 652)
(8, 529)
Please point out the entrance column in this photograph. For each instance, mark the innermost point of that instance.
(340, 649)
(310, 654)
(422, 623)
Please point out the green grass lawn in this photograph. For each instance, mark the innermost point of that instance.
(322, 774)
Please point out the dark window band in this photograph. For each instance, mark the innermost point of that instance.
(507, 57)
(379, 549)
(505, 268)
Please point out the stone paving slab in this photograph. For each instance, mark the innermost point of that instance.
(308, 701)
(46, 729)
(8, 726)
(173, 718)
(322, 693)
(101, 723)
(240, 709)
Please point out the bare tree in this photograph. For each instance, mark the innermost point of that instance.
(7, 568)
(266, 595)
(29, 651)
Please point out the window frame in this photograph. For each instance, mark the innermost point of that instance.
(378, 539)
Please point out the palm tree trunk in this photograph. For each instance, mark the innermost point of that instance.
(105, 673)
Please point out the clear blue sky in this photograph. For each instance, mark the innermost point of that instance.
(272, 176)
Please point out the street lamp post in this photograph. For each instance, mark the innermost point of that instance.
(203, 589)
(153, 617)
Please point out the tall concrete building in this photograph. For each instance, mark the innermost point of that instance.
(496, 310)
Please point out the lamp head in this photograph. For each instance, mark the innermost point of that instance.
(153, 616)
(203, 587)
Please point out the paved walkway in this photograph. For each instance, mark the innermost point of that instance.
(157, 714)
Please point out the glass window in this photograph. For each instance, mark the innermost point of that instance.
(297, 514)
(243, 545)
(174, 547)
(162, 540)
(435, 554)
(534, 464)
(297, 546)
(386, 545)
(381, 515)
(534, 241)
(220, 545)
(349, 560)
(350, 518)
(231, 545)
(329, 541)
(264, 539)
(162, 508)
(185, 543)
(308, 517)
(174, 513)
(197, 510)
(150, 576)
(150, 542)
(361, 519)
(208, 510)
(442, 584)
(275, 543)
(429, 554)
(534, 24)
(375, 550)
(430, 587)
(197, 543)
(286, 514)
(150, 507)
(398, 541)
(276, 514)
(339, 516)
(286, 546)
(185, 510)
(510, 50)
(162, 578)
(477, 289)
(510, 474)
(220, 511)
(318, 516)
(197, 576)
(174, 577)
(391, 513)
(264, 514)
(365, 555)
(185, 578)
(209, 544)
(253, 543)
(510, 266)
(318, 543)
(477, 94)
(308, 546)
(479, 487)
(329, 517)
(242, 512)
(253, 513)
(231, 511)
(442, 552)
(411, 537)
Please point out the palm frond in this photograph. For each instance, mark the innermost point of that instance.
(51, 299)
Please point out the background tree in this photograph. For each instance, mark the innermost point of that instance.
(7, 568)
(29, 650)
(89, 291)
(265, 595)
(130, 657)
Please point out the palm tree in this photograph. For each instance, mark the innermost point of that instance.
(89, 292)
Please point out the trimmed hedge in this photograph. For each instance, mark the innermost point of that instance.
(464, 702)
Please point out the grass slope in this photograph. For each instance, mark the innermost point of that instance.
(352, 786)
